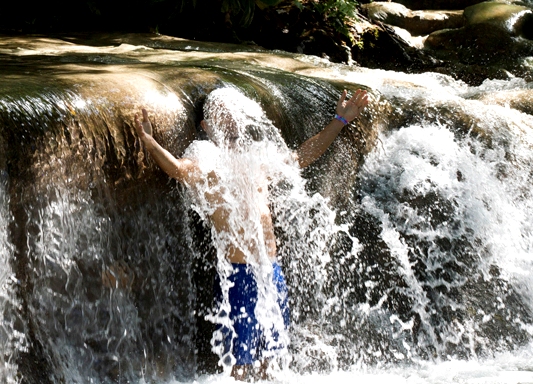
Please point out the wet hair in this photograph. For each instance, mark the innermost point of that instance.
(235, 115)
(200, 133)
(254, 132)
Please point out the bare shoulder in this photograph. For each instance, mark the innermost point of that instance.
(187, 171)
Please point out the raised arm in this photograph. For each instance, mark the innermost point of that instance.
(347, 110)
(179, 169)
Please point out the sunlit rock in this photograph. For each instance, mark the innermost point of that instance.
(515, 19)
(416, 22)
(413, 41)
(521, 100)
(438, 4)
(494, 33)
(477, 43)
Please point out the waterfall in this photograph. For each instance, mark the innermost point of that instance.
(407, 247)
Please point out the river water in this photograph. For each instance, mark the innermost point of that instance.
(408, 247)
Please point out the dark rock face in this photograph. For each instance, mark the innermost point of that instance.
(525, 25)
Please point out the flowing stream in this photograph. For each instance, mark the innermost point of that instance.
(407, 247)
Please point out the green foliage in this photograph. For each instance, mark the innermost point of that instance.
(298, 4)
(338, 13)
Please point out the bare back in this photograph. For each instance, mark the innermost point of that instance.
(224, 221)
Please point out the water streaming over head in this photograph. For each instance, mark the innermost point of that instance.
(247, 173)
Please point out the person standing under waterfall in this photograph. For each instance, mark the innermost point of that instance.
(240, 243)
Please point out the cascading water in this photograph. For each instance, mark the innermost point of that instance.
(407, 247)
(12, 338)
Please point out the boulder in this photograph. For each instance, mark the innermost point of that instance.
(495, 32)
(524, 26)
(437, 4)
(476, 43)
(416, 22)
(516, 19)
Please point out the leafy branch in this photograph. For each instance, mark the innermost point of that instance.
(338, 13)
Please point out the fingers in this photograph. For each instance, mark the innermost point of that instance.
(359, 98)
(145, 116)
(142, 126)
(352, 107)
(340, 103)
(355, 96)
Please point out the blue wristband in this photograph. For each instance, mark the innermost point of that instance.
(341, 119)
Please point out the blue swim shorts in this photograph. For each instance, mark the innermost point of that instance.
(249, 344)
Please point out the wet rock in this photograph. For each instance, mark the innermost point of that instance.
(411, 36)
(516, 99)
(473, 74)
(481, 43)
(416, 22)
(385, 48)
(515, 19)
(413, 41)
(438, 4)
(525, 26)
(299, 29)
(493, 35)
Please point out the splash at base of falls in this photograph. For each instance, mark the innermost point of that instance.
(504, 369)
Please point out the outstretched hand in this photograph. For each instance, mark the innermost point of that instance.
(145, 127)
(352, 108)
